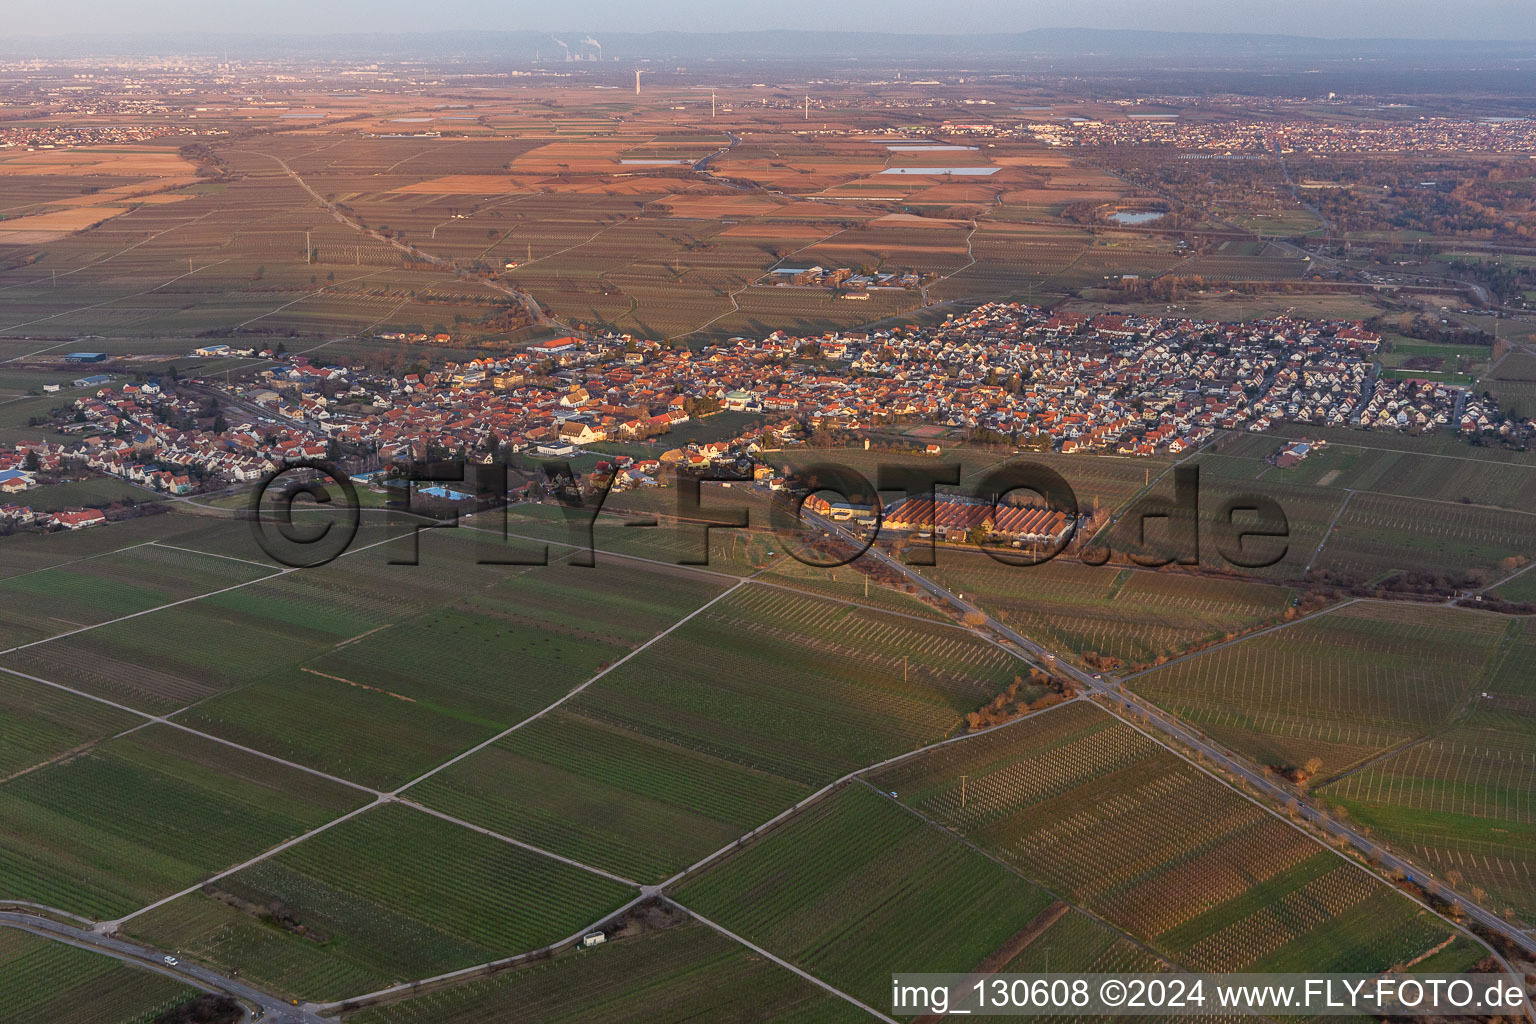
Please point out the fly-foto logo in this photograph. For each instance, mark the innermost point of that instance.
(1019, 513)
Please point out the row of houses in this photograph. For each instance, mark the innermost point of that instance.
(69, 519)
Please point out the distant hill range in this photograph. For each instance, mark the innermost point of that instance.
(1228, 50)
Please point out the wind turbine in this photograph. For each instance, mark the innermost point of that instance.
(638, 73)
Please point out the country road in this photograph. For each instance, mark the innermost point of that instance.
(1171, 727)
(269, 1008)
(523, 298)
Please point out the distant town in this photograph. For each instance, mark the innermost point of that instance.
(1002, 373)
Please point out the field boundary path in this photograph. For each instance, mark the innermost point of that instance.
(1328, 530)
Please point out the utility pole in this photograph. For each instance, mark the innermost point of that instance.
(962, 791)
(638, 73)
(309, 249)
(711, 103)
(807, 107)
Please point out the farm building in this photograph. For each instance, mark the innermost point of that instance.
(80, 518)
(953, 517)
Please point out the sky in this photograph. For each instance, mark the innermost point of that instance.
(1421, 19)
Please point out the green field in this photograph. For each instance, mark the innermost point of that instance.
(99, 990)
(1109, 819)
(640, 807)
(147, 814)
(391, 895)
(1379, 536)
(848, 583)
(441, 611)
(1130, 614)
(97, 492)
(39, 722)
(799, 687)
(1339, 686)
(171, 657)
(1437, 467)
(1462, 800)
(392, 701)
(1520, 589)
(1078, 942)
(734, 552)
(1308, 510)
(856, 887)
(46, 603)
(686, 973)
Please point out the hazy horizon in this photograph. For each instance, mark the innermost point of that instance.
(1476, 20)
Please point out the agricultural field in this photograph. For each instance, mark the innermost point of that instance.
(1076, 941)
(1378, 537)
(258, 621)
(101, 990)
(1179, 862)
(390, 895)
(1217, 304)
(684, 973)
(1308, 512)
(1339, 686)
(856, 887)
(1133, 615)
(1361, 461)
(1461, 799)
(389, 701)
(147, 814)
(640, 807)
(1521, 587)
(438, 752)
(798, 687)
(94, 590)
(29, 552)
(96, 492)
(40, 722)
(848, 583)
(1453, 364)
(670, 541)
(338, 228)
(175, 655)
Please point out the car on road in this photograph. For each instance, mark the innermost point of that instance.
(171, 961)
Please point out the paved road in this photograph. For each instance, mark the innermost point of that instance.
(1295, 191)
(1261, 781)
(270, 1009)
